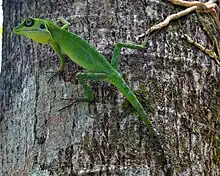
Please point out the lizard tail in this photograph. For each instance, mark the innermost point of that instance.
(119, 82)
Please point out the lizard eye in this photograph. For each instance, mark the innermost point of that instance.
(28, 22)
(42, 26)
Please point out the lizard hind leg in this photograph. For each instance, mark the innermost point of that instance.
(117, 51)
(83, 77)
(88, 93)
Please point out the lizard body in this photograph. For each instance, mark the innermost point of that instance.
(85, 55)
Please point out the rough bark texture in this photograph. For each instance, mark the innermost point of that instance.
(178, 82)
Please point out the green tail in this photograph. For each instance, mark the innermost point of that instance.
(119, 82)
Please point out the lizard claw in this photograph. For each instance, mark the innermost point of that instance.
(68, 106)
(58, 73)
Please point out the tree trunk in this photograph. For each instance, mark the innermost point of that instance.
(178, 84)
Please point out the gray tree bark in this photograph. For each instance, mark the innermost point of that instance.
(178, 83)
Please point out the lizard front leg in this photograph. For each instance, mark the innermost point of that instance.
(65, 22)
(57, 49)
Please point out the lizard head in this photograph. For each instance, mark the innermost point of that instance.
(34, 28)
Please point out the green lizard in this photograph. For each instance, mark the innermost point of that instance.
(85, 55)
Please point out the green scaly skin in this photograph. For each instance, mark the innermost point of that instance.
(85, 55)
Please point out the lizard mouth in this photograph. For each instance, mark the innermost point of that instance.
(17, 31)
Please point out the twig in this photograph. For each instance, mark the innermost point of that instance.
(193, 6)
(208, 7)
(209, 52)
